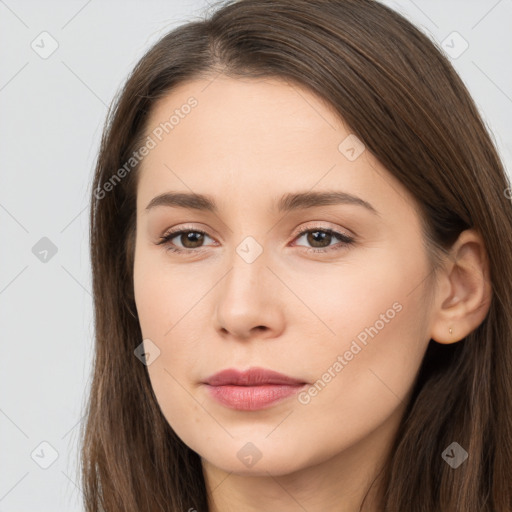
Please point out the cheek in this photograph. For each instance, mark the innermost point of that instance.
(367, 367)
(369, 304)
(159, 299)
(369, 327)
(178, 403)
(163, 320)
(166, 307)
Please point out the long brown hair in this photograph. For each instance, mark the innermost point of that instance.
(400, 96)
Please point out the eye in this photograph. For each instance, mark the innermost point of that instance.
(191, 240)
(321, 238)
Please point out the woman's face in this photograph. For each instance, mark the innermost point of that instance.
(267, 285)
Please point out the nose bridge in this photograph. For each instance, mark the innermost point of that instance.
(246, 298)
(248, 266)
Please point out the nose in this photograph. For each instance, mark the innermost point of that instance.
(248, 301)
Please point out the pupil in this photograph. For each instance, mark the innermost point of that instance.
(193, 237)
(313, 238)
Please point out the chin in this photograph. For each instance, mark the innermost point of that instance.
(254, 459)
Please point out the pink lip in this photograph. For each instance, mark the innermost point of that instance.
(250, 377)
(252, 389)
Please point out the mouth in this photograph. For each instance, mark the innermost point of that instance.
(253, 389)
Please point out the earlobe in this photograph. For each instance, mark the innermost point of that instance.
(464, 291)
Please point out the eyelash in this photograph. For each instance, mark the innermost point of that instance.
(345, 240)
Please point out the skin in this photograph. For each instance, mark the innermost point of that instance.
(245, 144)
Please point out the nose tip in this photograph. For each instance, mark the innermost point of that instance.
(244, 306)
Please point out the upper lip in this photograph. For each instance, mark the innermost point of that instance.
(250, 377)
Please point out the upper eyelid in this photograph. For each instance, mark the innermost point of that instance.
(312, 225)
(309, 225)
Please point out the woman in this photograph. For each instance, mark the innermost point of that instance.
(302, 297)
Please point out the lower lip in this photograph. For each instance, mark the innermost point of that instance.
(252, 398)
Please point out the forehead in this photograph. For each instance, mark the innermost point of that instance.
(248, 138)
(246, 117)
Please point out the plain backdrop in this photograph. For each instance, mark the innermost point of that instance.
(52, 109)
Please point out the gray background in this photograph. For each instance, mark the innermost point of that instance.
(52, 113)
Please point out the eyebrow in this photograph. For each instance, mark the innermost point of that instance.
(288, 202)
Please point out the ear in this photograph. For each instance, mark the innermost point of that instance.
(463, 294)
